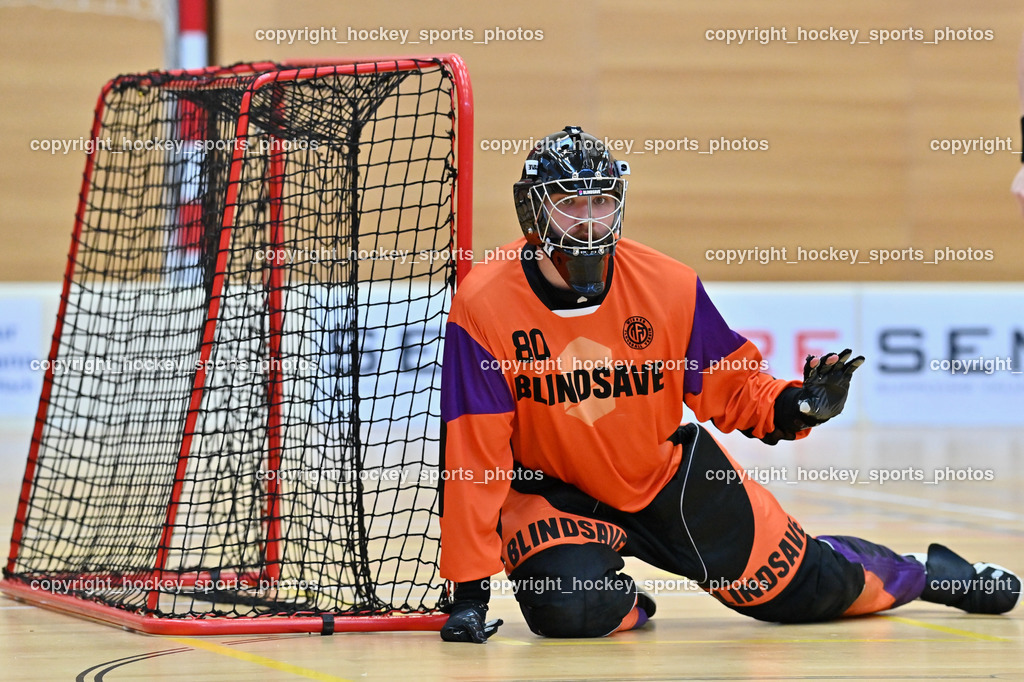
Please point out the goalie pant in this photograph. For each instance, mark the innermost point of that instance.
(563, 551)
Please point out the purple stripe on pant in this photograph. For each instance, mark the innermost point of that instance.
(901, 577)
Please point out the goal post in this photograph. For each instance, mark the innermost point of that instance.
(239, 426)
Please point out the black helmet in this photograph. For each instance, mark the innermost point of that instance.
(591, 193)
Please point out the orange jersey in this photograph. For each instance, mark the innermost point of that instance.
(589, 395)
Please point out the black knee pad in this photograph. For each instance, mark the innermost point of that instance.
(823, 588)
(574, 591)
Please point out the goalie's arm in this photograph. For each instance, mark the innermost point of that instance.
(724, 382)
(821, 396)
(476, 413)
(734, 393)
(476, 409)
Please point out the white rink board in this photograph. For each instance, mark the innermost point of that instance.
(918, 333)
(27, 313)
(902, 329)
(910, 335)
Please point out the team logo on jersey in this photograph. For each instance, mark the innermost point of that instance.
(637, 332)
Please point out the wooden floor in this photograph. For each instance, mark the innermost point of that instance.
(692, 637)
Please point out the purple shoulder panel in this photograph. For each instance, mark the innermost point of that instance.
(469, 384)
(711, 339)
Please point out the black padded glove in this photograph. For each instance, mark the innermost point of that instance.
(822, 397)
(826, 386)
(466, 623)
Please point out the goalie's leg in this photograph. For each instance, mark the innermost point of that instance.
(566, 568)
(757, 560)
(731, 535)
(577, 591)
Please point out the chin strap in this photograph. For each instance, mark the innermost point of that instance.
(585, 274)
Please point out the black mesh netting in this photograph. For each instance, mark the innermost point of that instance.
(309, 484)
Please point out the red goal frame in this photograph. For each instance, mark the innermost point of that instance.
(462, 197)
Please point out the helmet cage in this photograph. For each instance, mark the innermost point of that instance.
(578, 216)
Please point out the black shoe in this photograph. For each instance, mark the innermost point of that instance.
(981, 588)
(645, 602)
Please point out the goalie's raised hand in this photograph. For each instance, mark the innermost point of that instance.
(826, 385)
(467, 623)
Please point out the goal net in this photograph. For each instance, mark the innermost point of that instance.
(239, 423)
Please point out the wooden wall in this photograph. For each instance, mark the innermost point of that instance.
(848, 126)
(54, 63)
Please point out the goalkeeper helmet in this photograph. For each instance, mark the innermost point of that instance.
(569, 201)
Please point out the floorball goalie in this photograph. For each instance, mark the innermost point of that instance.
(565, 373)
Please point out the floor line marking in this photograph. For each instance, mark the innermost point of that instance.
(257, 659)
(948, 630)
(911, 501)
(805, 640)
